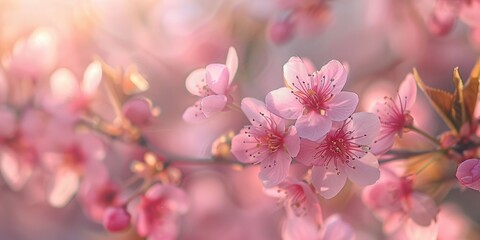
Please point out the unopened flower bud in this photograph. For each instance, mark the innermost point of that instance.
(468, 173)
(116, 219)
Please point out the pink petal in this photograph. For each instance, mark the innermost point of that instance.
(335, 76)
(365, 127)
(8, 119)
(283, 103)
(335, 228)
(64, 85)
(243, 146)
(65, 186)
(232, 63)
(213, 104)
(295, 72)
(342, 106)
(309, 65)
(366, 170)
(217, 78)
(327, 182)
(407, 93)
(415, 231)
(196, 83)
(383, 143)
(295, 228)
(15, 170)
(292, 141)
(92, 78)
(144, 226)
(468, 173)
(421, 208)
(313, 126)
(308, 150)
(194, 113)
(174, 198)
(254, 108)
(274, 169)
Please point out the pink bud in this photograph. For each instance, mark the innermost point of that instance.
(280, 31)
(138, 111)
(116, 219)
(468, 173)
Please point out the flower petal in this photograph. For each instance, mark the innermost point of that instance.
(15, 170)
(308, 150)
(383, 143)
(365, 127)
(194, 113)
(232, 63)
(342, 106)
(292, 141)
(422, 209)
(217, 78)
(327, 182)
(407, 93)
(196, 83)
(65, 186)
(256, 113)
(295, 72)
(313, 126)
(295, 228)
(92, 78)
(64, 85)
(213, 104)
(336, 228)
(283, 103)
(245, 148)
(274, 169)
(366, 170)
(332, 77)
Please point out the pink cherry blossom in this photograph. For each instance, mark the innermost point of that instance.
(74, 157)
(267, 142)
(468, 173)
(399, 206)
(213, 85)
(116, 219)
(337, 228)
(394, 115)
(97, 195)
(343, 153)
(315, 100)
(157, 213)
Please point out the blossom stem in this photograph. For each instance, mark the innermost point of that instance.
(394, 155)
(425, 134)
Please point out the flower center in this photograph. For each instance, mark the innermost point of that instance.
(313, 95)
(339, 147)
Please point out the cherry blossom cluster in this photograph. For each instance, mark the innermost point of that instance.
(79, 130)
(313, 123)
